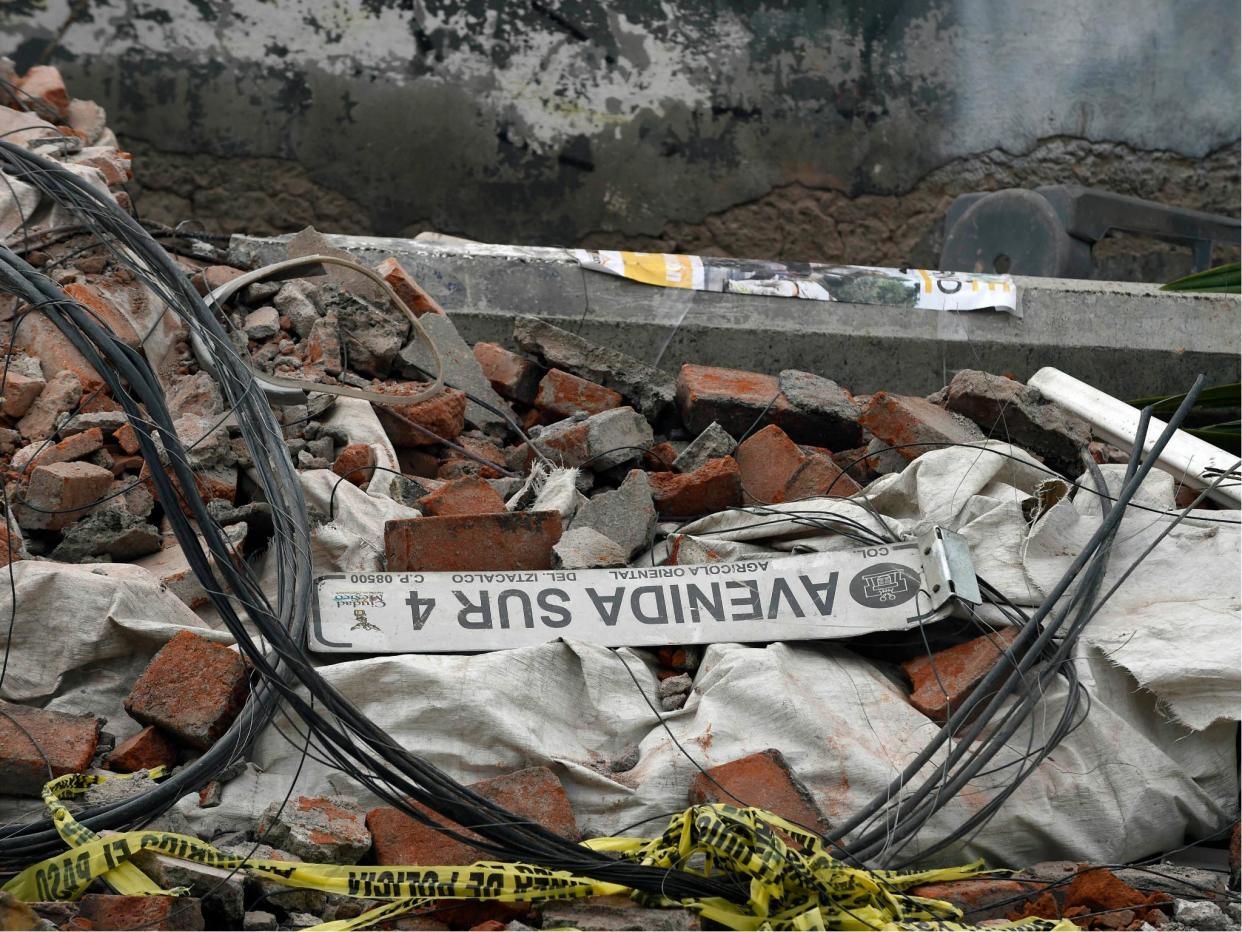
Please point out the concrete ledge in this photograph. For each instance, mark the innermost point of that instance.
(1128, 340)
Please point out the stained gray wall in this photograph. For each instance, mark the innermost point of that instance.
(812, 130)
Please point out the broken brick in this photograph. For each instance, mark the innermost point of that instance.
(60, 493)
(356, 463)
(731, 397)
(21, 389)
(10, 546)
(914, 425)
(764, 781)
(601, 441)
(212, 277)
(149, 748)
(127, 437)
(944, 680)
(44, 82)
(192, 689)
(563, 395)
(980, 899)
(714, 486)
(662, 456)
(775, 469)
(92, 297)
(408, 290)
(62, 392)
(457, 465)
(534, 793)
(37, 336)
(66, 743)
(512, 376)
(443, 416)
(105, 911)
(468, 496)
(468, 543)
(74, 447)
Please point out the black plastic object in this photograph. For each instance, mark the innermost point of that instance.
(1049, 231)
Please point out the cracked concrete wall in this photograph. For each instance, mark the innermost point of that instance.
(812, 131)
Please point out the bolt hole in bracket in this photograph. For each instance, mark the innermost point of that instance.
(947, 567)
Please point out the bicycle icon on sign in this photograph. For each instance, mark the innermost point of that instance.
(885, 586)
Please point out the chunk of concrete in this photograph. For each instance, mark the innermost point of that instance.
(648, 389)
(461, 370)
(584, 548)
(712, 443)
(262, 323)
(601, 441)
(624, 516)
(319, 829)
(831, 405)
(1008, 410)
(111, 531)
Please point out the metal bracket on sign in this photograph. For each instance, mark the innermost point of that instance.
(947, 568)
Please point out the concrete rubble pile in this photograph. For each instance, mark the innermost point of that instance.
(454, 487)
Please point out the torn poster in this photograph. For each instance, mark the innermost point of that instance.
(852, 284)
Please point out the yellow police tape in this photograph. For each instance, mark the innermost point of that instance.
(794, 882)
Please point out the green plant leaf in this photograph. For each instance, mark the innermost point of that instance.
(1223, 279)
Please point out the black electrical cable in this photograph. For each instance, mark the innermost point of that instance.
(359, 747)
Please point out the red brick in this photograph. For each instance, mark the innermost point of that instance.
(469, 496)
(62, 493)
(512, 376)
(213, 276)
(660, 457)
(418, 461)
(93, 298)
(20, 392)
(457, 466)
(820, 476)
(899, 420)
(738, 400)
(115, 165)
(192, 689)
(943, 681)
(149, 748)
(10, 547)
(408, 290)
(981, 899)
(37, 336)
(534, 793)
(1099, 893)
(68, 741)
(356, 463)
(468, 543)
(563, 395)
(141, 912)
(714, 486)
(213, 482)
(764, 781)
(732, 397)
(444, 415)
(490, 925)
(71, 448)
(127, 437)
(44, 83)
(768, 460)
(323, 347)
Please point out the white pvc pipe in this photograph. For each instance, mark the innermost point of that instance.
(1186, 457)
